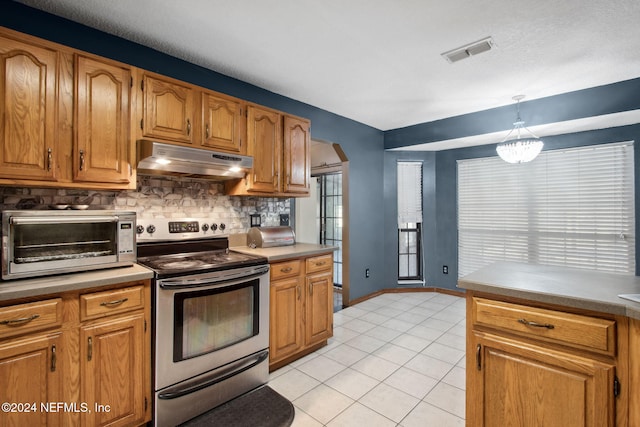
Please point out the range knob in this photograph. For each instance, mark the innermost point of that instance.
(222, 226)
(151, 229)
(214, 226)
(139, 229)
(205, 227)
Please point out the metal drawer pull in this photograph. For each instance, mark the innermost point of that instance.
(318, 264)
(479, 357)
(53, 358)
(89, 349)
(112, 303)
(536, 324)
(286, 270)
(20, 321)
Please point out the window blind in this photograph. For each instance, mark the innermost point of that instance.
(409, 192)
(572, 207)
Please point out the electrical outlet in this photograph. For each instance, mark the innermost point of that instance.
(284, 219)
(445, 269)
(367, 273)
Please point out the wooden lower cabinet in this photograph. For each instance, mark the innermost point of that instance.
(75, 362)
(30, 376)
(525, 385)
(539, 366)
(112, 371)
(301, 307)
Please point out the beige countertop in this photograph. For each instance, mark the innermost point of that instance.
(285, 252)
(583, 289)
(14, 289)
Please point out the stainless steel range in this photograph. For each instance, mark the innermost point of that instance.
(211, 317)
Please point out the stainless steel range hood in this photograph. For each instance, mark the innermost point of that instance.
(158, 158)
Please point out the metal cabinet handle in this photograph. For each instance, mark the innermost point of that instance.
(89, 349)
(536, 324)
(298, 289)
(53, 358)
(49, 158)
(20, 321)
(310, 289)
(81, 159)
(479, 357)
(188, 127)
(318, 264)
(114, 303)
(206, 131)
(286, 269)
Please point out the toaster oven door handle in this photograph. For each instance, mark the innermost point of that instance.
(62, 219)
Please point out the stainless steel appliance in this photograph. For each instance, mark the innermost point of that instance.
(39, 243)
(166, 159)
(211, 317)
(267, 237)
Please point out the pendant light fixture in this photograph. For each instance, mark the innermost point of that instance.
(522, 148)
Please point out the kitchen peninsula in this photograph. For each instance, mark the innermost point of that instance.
(551, 344)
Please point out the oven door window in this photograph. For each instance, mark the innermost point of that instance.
(209, 320)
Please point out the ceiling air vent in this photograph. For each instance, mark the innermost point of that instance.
(471, 49)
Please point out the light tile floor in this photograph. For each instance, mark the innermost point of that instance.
(395, 360)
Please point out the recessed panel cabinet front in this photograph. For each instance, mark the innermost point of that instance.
(297, 157)
(30, 376)
(28, 110)
(285, 337)
(525, 385)
(264, 134)
(223, 124)
(112, 369)
(101, 149)
(167, 110)
(319, 306)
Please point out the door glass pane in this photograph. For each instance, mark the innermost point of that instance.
(207, 321)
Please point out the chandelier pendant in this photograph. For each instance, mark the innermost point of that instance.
(520, 149)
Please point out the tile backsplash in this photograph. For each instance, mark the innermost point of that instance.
(156, 196)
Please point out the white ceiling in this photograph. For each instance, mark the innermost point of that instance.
(378, 61)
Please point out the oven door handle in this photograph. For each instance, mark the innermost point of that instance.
(218, 375)
(209, 281)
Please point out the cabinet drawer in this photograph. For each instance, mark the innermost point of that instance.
(99, 304)
(285, 269)
(29, 317)
(319, 263)
(583, 332)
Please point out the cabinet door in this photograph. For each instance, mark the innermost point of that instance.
(30, 375)
(319, 308)
(168, 110)
(285, 312)
(112, 371)
(297, 158)
(101, 149)
(223, 124)
(513, 383)
(264, 134)
(27, 111)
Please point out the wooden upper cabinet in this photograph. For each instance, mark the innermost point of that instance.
(167, 111)
(223, 123)
(297, 158)
(102, 111)
(28, 110)
(264, 135)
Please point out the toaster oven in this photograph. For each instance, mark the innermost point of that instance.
(40, 243)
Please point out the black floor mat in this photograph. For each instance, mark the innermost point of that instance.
(262, 407)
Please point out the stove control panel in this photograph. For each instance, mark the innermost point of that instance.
(184, 227)
(178, 229)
